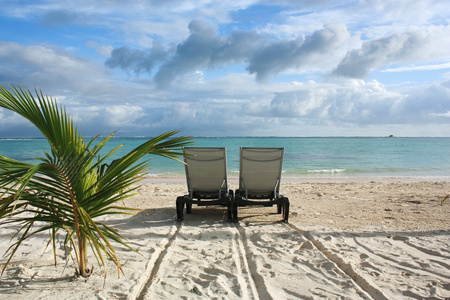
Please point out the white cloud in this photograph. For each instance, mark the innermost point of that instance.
(204, 48)
(223, 71)
(103, 50)
(419, 68)
(362, 103)
(122, 115)
(44, 67)
(419, 45)
(446, 114)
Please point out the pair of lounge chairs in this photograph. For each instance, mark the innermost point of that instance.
(259, 180)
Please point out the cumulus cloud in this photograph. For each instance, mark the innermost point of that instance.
(191, 54)
(204, 48)
(293, 54)
(13, 125)
(8, 118)
(41, 64)
(57, 72)
(122, 115)
(362, 103)
(236, 47)
(96, 119)
(422, 105)
(137, 60)
(216, 69)
(416, 45)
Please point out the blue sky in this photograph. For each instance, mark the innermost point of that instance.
(233, 68)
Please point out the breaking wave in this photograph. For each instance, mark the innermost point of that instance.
(329, 171)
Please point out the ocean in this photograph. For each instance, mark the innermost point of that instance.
(418, 158)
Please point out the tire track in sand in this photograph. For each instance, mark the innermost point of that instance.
(253, 281)
(201, 259)
(343, 266)
(157, 262)
(403, 243)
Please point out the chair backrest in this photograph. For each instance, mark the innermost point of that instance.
(206, 171)
(260, 171)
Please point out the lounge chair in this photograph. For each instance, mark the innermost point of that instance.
(206, 176)
(259, 180)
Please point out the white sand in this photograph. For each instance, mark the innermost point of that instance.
(363, 240)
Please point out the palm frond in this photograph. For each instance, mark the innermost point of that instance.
(73, 184)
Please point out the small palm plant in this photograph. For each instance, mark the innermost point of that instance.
(73, 184)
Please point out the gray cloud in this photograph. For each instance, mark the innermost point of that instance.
(237, 47)
(67, 77)
(56, 18)
(205, 49)
(429, 104)
(137, 60)
(294, 43)
(191, 54)
(279, 56)
(419, 45)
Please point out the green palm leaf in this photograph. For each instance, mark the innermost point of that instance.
(73, 184)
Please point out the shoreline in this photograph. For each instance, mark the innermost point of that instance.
(399, 205)
(234, 180)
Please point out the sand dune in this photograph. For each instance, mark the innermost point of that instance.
(365, 240)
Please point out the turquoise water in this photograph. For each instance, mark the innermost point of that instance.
(304, 157)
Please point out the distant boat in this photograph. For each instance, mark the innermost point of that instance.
(391, 136)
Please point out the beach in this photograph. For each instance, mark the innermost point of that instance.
(361, 239)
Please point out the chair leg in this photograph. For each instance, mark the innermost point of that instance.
(279, 206)
(188, 208)
(286, 210)
(235, 212)
(180, 208)
(237, 197)
(229, 211)
(230, 205)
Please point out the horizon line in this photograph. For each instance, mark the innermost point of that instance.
(249, 136)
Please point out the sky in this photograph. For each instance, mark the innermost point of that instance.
(232, 68)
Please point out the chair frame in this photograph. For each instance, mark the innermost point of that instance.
(242, 197)
(223, 196)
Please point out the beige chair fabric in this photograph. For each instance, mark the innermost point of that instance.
(206, 170)
(260, 171)
(206, 177)
(259, 180)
